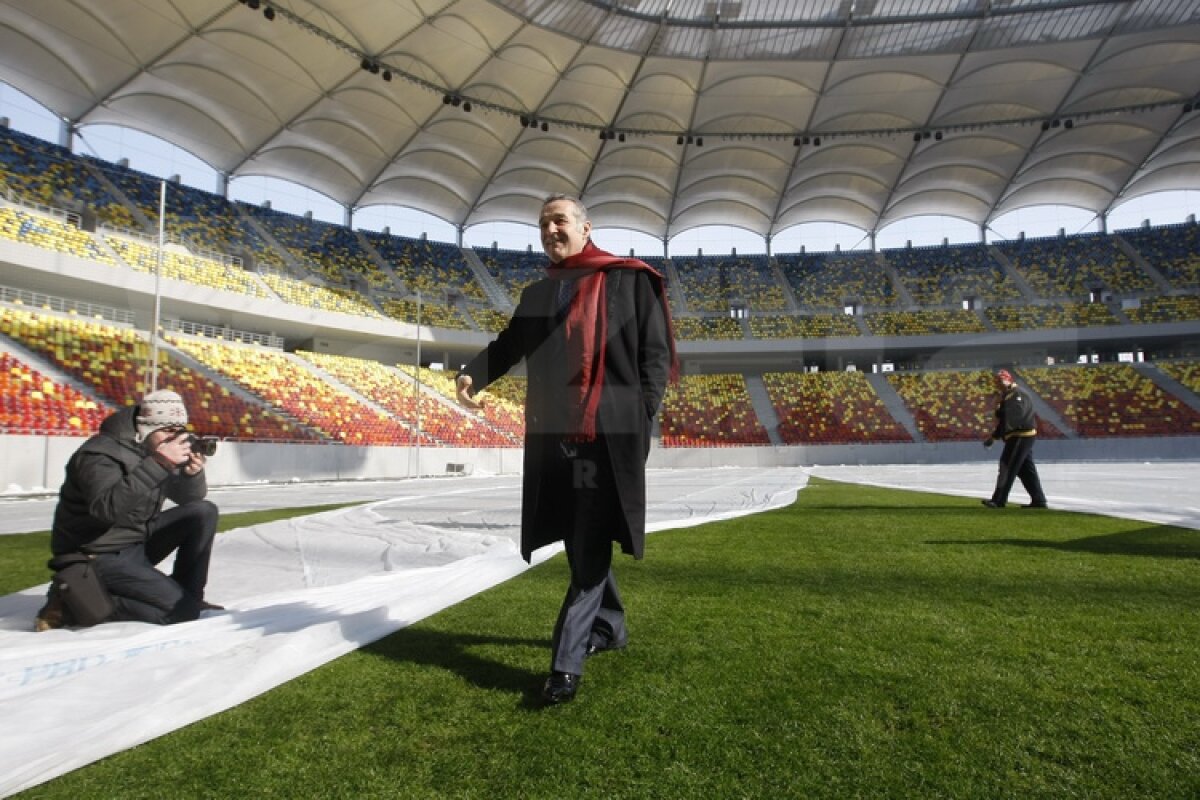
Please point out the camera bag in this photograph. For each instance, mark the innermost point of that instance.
(84, 594)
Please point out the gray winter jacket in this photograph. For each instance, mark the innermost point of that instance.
(113, 489)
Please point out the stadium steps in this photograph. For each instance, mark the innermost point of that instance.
(466, 311)
(1046, 411)
(295, 270)
(1027, 292)
(760, 399)
(1119, 313)
(341, 386)
(1169, 385)
(380, 263)
(793, 306)
(231, 385)
(52, 370)
(675, 294)
(895, 405)
(498, 297)
(906, 298)
(1159, 279)
(148, 225)
(744, 324)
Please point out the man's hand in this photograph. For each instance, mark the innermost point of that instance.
(465, 394)
(988, 442)
(195, 463)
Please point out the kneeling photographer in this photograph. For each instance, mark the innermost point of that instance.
(110, 529)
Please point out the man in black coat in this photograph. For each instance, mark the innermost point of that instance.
(596, 339)
(1016, 426)
(110, 510)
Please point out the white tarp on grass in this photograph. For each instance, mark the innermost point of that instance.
(298, 594)
(1162, 492)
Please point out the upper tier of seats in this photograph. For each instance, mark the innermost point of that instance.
(262, 253)
(713, 283)
(831, 280)
(432, 268)
(1073, 267)
(938, 276)
(1173, 250)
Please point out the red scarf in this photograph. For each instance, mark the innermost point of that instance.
(587, 328)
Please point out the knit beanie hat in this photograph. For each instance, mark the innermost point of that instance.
(161, 409)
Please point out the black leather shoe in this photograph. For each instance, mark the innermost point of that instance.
(992, 504)
(602, 647)
(560, 687)
(1035, 505)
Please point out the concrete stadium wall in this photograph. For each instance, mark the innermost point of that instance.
(36, 463)
(1175, 448)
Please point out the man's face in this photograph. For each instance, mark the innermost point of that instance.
(161, 435)
(563, 233)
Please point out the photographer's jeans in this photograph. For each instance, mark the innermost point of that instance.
(141, 592)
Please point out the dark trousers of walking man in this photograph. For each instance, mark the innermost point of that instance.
(1016, 461)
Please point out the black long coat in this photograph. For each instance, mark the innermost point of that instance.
(637, 366)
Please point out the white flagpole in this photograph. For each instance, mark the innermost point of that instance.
(162, 228)
(417, 385)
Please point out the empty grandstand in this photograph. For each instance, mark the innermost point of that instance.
(289, 331)
(887, 349)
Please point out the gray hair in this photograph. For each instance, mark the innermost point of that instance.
(581, 212)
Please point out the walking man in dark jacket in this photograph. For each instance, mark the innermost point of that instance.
(596, 338)
(110, 509)
(1016, 426)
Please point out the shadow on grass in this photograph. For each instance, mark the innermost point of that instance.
(454, 652)
(892, 509)
(1154, 541)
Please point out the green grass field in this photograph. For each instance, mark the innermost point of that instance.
(862, 642)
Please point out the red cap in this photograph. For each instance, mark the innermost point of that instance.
(1005, 376)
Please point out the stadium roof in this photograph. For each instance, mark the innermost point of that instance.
(663, 114)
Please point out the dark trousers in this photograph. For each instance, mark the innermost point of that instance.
(592, 611)
(141, 592)
(1016, 461)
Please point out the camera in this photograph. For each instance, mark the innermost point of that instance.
(204, 445)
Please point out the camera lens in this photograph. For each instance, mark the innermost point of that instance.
(204, 445)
